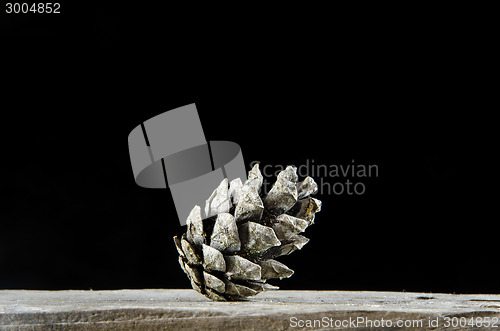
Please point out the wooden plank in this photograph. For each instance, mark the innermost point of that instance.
(276, 310)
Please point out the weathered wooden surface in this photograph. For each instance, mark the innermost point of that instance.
(277, 310)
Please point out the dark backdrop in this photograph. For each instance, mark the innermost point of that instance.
(331, 89)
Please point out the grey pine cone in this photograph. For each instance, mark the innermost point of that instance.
(231, 254)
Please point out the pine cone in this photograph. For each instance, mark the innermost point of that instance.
(230, 256)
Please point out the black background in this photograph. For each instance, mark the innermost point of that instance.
(287, 87)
